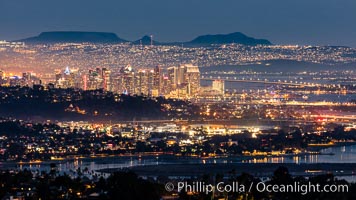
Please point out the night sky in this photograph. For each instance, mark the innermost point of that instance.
(315, 22)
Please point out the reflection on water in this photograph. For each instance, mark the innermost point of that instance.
(344, 154)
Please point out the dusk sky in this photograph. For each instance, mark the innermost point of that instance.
(315, 22)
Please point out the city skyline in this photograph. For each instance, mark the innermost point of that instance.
(315, 23)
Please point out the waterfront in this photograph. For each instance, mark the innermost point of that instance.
(333, 155)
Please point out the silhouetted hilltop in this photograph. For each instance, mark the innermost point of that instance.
(146, 40)
(103, 37)
(236, 37)
(74, 36)
(90, 105)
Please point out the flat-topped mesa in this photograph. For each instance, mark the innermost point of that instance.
(74, 36)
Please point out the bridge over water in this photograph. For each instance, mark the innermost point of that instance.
(257, 81)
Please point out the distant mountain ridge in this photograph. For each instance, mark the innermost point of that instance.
(105, 37)
(236, 37)
(74, 36)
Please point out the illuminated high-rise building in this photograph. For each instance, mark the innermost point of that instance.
(2, 76)
(67, 78)
(219, 86)
(142, 82)
(192, 79)
(106, 83)
(172, 73)
(150, 82)
(91, 80)
(98, 79)
(126, 80)
(183, 81)
(165, 85)
(26, 75)
(180, 75)
(29, 79)
(177, 82)
(157, 81)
